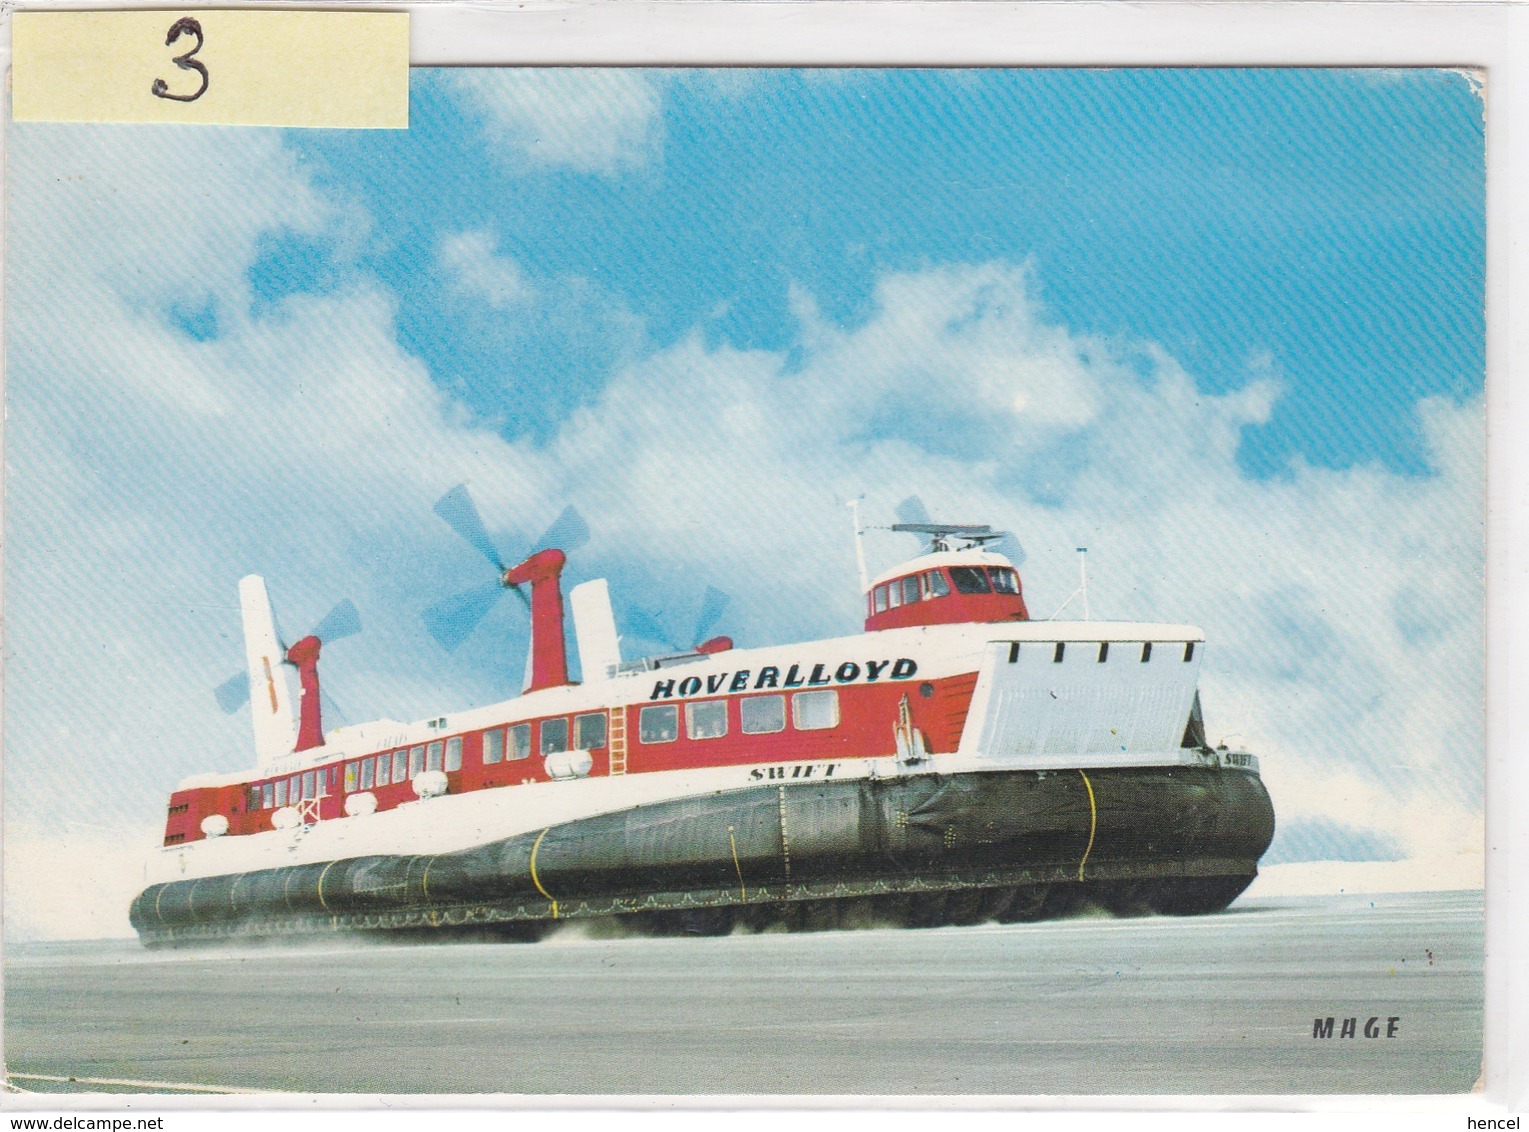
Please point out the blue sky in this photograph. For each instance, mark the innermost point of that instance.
(1225, 328)
(1240, 219)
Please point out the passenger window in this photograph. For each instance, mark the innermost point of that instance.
(268, 795)
(416, 761)
(706, 719)
(1004, 580)
(659, 724)
(252, 799)
(454, 753)
(281, 792)
(368, 774)
(910, 589)
(400, 766)
(307, 785)
(589, 731)
(352, 777)
(762, 715)
(935, 584)
(881, 599)
(554, 736)
(384, 764)
(520, 742)
(493, 747)
(433, 756)
(970, 579)
(815, 711)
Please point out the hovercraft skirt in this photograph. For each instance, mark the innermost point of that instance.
(1181, 831)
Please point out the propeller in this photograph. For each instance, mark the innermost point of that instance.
(450, 622)
(344, 620)
(648, 626)
(912, 510)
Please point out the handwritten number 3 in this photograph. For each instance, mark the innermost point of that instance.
(184, 62)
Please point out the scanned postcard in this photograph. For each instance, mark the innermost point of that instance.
(749, 581)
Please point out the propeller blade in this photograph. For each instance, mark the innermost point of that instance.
(333, 714)
(233, 693)
(713, 603)
(646, 626)
(461, 515)
(340, 622)
(568, 532)
(451, 621)
(1009, 547)
(912, 510)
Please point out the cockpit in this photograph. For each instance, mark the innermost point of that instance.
(946, 588)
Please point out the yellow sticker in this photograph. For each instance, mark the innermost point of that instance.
(342, 70)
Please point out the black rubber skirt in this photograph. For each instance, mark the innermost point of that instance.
(1170, 839)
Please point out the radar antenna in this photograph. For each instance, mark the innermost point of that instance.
(942, 535)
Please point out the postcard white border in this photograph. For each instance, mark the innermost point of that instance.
(1493, 37)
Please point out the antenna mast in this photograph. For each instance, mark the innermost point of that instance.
(1081, 591)
(854, 510)
(1083, 579)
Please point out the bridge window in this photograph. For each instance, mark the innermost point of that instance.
(433, 755)
(935, 584)
(1104, 651)
(281, 792)
(1005, 581)
(416, 761)
(1146, 651)
(815, 711)
(493, 746)
(352, 777)
(1189, 651)
(454, 753)
(252, 800)
(368, 774)
(881, 599)
(762, 715)
(384, 764)
(554, 736)
(589, 731)
(268, 796)
(970, 579)
(519, 742)
(910, 589)
(706, 719)
(659, 724)
(401, 766)
(307, 785)
(894, 595)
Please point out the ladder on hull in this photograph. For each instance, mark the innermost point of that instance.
(618, 740)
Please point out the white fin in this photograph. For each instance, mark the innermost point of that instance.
(594, 628)
(270, 694)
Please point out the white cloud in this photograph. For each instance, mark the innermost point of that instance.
(148, 471)
(477, 270)
(594, 121)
